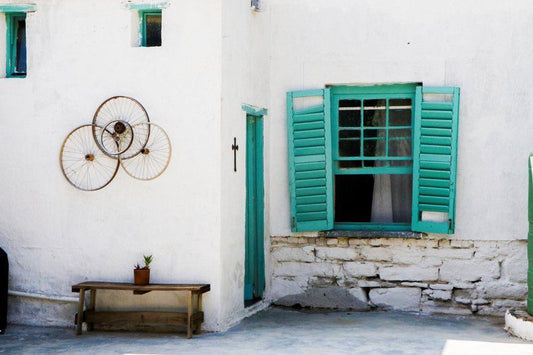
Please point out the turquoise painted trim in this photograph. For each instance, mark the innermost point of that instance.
(330, 192)
(373, 170)
(446, 90)
(254, 277)
(315, 209)
(435, 159)
(307, 93)
(142, 27)
(253, 110)
(148, 6)
(379, 89)
(384, 92)
(11, 8)
(530, 237)
(373, 226)
(11, 43)
(415, 213)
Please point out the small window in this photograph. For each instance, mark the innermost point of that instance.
(150, 28)
(373, 158)
(16, 45)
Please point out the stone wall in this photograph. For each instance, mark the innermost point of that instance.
(428, 275)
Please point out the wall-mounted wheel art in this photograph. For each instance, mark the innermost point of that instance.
(121, 134)
(154, 155)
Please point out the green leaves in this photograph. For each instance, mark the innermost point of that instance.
(147, 261)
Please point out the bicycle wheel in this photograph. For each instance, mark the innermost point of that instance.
(83, 163)
(116, 138)
(154, 155)
(120, 108)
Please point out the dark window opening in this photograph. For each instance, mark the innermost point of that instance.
(366, 198)
(20, 51)
(152, 29)
(16, 45)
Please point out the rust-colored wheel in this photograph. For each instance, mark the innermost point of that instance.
(83, 163)
(154, 148)
(120, 108)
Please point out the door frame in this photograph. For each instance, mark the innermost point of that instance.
(254, 277)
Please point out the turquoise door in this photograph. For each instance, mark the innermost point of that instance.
(254, 275)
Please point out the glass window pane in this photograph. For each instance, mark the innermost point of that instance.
(350, 133)
(20, 43)
(349, 113)
(374, 142)
(401, 163)
(400, 148)
(400, 144)
(349, 148)
(347, 164)
(400, 112)
(374, 113)
(153, 30)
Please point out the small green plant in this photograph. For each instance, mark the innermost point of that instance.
(147, 260)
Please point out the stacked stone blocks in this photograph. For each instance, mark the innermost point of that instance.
(427, 275)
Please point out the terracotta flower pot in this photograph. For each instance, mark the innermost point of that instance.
(141, 276)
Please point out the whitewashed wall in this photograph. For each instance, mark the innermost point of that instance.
(484, 47)
(244, 81)
(79, 54)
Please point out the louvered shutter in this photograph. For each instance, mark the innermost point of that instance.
(310, 166)
(435, 159)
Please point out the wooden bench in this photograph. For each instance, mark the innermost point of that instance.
(193, 318)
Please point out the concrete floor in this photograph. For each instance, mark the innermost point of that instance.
(282, 331)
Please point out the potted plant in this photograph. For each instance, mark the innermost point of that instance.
(141, 275)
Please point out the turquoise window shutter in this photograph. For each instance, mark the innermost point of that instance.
(435, 159)
(310, 164)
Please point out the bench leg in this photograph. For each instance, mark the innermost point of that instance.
(199, 309)
(189, 315)
(92, 304)
(79, 320)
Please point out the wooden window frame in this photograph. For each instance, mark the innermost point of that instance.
(381, 92)
(142, 16)
(12, 19)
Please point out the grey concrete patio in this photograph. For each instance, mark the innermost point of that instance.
(282, 331)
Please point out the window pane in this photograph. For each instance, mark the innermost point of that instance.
(374, 142)
(374, 113)
(400, 112)
(350, 133)
(349, 113)
(349, 148)
(347, 164)
(401, 163)
(153, 30)
(400, 148)
(20, 50)
(400, 144)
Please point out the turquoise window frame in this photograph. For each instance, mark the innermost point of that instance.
(383, 92)
(12, 19)
(142, 16)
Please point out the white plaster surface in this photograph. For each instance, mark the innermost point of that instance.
(482, 48)
(79, 54)
(215, 56)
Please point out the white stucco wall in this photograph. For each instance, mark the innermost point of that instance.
(79, 54)
(482, 47)
(244, 80)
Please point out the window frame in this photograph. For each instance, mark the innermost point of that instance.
(143, 22)
(387, 92)
(12, 19)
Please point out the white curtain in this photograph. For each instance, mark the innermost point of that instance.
(391, 202)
